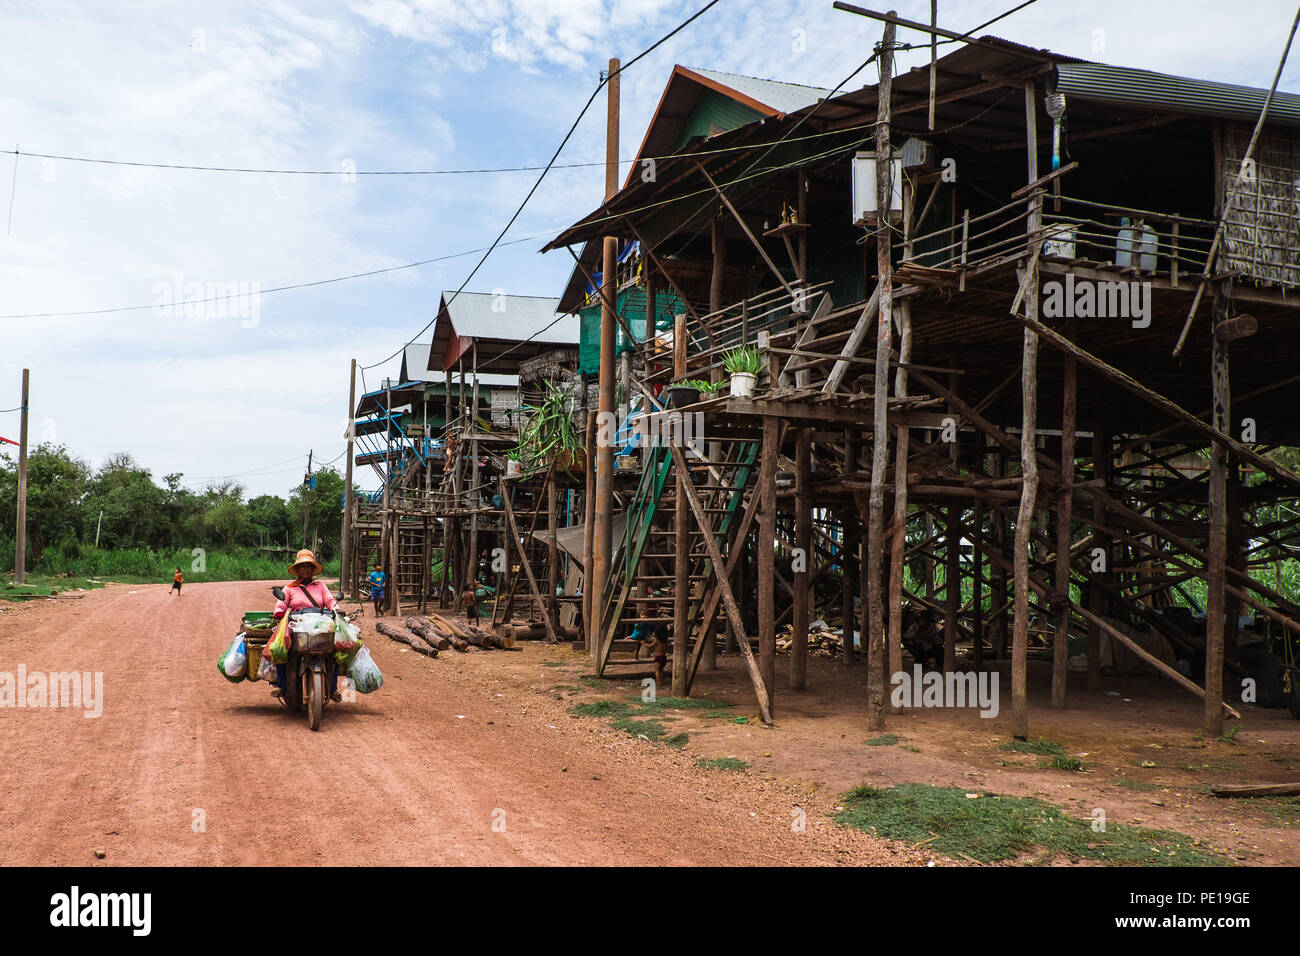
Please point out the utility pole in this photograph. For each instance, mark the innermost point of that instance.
(345, 546)
(306, 501)
(20, 556)
(603, 538)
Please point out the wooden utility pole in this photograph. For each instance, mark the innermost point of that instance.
(603, 543)
(20, 542)
(306, 503)
(1028, 437)
(345, 546)
(880, 436)
(590, 623)
(767, 561)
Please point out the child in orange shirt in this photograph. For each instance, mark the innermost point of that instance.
(177, 580)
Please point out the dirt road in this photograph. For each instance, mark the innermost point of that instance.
(184, 768)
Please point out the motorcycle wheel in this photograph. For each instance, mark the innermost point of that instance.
(316, 698)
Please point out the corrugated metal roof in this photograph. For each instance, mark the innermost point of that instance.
(415, 362)
(782, 97)
(1130, 87)
(485, 315)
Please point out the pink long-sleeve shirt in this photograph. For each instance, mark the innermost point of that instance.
(296, 600)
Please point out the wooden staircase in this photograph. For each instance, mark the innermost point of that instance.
(642, 581)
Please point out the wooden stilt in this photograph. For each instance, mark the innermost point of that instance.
(767, 560)
(1216, 549)
(1101, 445)
(951, 586)
(1064, 539)
(804, 557)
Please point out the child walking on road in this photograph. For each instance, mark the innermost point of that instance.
(177, 580)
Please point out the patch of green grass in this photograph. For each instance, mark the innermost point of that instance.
(994, 827)
(722, 763)
(915, 750)
(568, 688)
(885, 740)
(42, 585)
(602, 708)
(1229, 736)
(1135, 784)
(677, 741)
(1290, 763)
(1286, 810)
(1062, 762)
(683, 703)
(650, 729)
(1039, 746)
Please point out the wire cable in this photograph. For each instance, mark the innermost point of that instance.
(564, 142)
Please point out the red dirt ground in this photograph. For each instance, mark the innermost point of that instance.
(413, 774)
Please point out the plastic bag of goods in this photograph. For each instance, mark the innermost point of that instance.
(266, 671)
(344, 659)
(234, 662)
(347, 636)
(312, 624)
(277, 648)
(364, 673)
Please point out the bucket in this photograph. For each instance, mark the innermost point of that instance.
(742, 384)
(514, 468)
(254, 647)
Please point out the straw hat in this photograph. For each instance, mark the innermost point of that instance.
(305, 557)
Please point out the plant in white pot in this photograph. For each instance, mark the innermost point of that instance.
(743, 365)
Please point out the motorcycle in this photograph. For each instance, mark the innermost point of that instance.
(311, 669)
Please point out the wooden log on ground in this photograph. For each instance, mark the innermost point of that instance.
(428, 632)
(416, 644)
(462, 631)
(457, 642)
(1257, 790)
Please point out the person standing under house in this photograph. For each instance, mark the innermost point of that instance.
(469, 601)
(177, 580)
(378, 582)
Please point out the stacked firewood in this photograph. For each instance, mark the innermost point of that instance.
(823, 641)
(429, 635)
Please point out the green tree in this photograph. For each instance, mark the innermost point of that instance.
(134, 508)
(326, 512)
(56, 486)
(268, 518)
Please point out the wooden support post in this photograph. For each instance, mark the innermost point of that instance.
(1064, 538)
(552, 545)
(1028, 440)
(852, 551)
(767, 560)
(590, 626)
(1216, 549)
(977, 585)
(513, 531)
(681, 578)
(476, 493)
(876, 653)
(346, 580)
(898, 527)
(951, 586)
(803, 553)
(20, 535)
(1101, 447)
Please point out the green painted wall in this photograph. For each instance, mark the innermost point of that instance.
(715, 113)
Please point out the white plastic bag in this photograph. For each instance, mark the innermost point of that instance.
(234, 662)
(311, 624)
(266, 670)
(364, 673)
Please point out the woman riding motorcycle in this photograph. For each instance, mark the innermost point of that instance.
(299, 597)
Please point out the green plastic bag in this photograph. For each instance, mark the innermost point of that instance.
(277, 648)
(234, 662)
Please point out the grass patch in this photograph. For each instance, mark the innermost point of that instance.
(915, 750)
(885, 740)
(1229, 736)
(994, 828)
(1062, 762)
(567, 688)
(677, 741)
(650, 729)
(41, 585)
(722, 763)
(1040, 746)
(602, 708)
(1284, 810)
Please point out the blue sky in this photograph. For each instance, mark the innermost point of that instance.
(383, 84)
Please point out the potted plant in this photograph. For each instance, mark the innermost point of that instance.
(549, 431)
(681, 394)
(743, 365)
